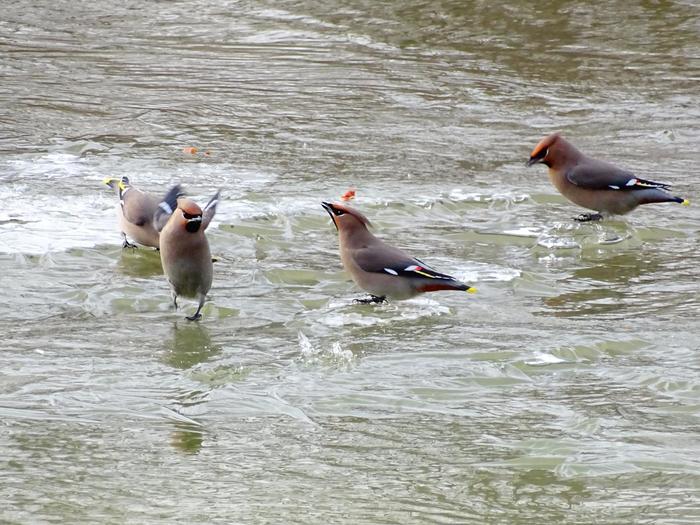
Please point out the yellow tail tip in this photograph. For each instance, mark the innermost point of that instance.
(471, 289)
(685, 202)
(108, 180)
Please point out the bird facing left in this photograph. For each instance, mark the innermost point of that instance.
(379, 268)
(184, 248)
(135, 211)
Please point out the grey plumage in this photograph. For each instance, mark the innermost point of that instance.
(596, 184)
(135, 212)
(184, 249)
(380, 269)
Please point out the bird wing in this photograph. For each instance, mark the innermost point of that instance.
(167, 206)
(599, 175)
(210, 210)
(386, 259)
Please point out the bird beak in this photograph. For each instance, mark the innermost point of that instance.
(193, 225)
(533, 160)
(329, 208)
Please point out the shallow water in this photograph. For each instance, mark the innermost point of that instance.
(565, 391)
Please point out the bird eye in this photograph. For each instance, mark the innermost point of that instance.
(338, 212)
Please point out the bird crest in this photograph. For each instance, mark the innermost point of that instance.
(336, 210)
(543, 145)
(189, 207)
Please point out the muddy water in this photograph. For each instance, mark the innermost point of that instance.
(565, 391)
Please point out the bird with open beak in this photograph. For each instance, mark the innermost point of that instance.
(184, 249)
(135, 211)
(596, 184)
(380, 269)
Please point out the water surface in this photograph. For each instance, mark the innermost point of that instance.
(565, 391)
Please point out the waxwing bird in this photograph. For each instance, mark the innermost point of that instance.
(382, 270)
(135, 211)
(596, 184)
(184, 249)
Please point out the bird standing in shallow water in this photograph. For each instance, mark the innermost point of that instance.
(184, 249)
(382, 270)
(135, 211)
(596, 184)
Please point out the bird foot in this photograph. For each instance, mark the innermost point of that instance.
(195, 317)
(587, 217)
(128, 244)
(372, 299)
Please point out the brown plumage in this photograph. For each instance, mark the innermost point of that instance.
(135, 212)
(381, 269)
(184, 249)
(595, 184)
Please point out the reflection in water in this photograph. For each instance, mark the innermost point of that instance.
(608, 284)
(534, 485)
(140, 262)
(620, 269)
(187, 437)
(190, 345)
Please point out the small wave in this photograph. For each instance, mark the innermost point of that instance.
(333, 355)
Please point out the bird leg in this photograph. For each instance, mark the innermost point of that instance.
(126, 243)
(197, 316)
(174, 296)
(372, 299)
(586, 217)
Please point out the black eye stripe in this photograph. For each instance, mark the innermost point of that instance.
(189, 217)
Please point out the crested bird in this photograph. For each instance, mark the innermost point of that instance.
(184, 249)
(380, 269)
(596, 184)
(135, 212)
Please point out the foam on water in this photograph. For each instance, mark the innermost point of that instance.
(480, 272)
(381, 314)
(557, 242)
(335, 354)
(542, 358)
(76, 210)
(461, 195)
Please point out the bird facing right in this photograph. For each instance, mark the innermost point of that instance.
(380, 269)
(184, 249)
(596, 184)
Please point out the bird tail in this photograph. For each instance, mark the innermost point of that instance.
(431, 281)
(654, 195)
(447, 285)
